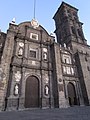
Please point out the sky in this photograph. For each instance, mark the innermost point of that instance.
(23, 10)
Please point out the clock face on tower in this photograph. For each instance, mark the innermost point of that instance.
(34, 23)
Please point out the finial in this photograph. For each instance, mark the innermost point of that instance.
(13, 20)
(34, 23)
(53, 35)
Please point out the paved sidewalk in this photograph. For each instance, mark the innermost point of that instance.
(73, 113)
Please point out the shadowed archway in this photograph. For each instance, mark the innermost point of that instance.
(72, 94)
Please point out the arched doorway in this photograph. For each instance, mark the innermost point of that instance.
(32, 92)
(71, 94)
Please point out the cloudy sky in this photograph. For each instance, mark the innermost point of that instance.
(23, 10)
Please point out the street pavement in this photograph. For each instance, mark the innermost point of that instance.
(71, 113)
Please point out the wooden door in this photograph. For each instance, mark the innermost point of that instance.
(32, 92)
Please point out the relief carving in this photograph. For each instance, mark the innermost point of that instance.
(17, 76)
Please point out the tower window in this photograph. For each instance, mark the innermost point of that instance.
(64, 70)
(72, 71)
(66, 59)
(68, 70)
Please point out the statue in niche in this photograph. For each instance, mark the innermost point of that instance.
(17, 76)
(65, 45)
(20, 52)
(46, 90)
(45, 56)
(16, 89)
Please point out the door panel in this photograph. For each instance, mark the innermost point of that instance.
(32, 92)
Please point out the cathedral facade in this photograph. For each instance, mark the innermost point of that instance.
(38, 72)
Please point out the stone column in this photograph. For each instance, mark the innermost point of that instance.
(51, 90)
(22, 94)
(5, 64)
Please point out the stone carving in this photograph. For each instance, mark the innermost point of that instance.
(2, 84)
(46, 79)
(45, 49)
(2, 79)
(34, 23)
(61, 87)
(26, 74)
(65, 45)
(45, 53)
(60, 80)
(45, 56)
(33, 63)
(21, 44)
(17, 76)
(20, 52)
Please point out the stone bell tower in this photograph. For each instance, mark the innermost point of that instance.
(69, 31)
(68, 27)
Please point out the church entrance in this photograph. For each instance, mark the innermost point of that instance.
(71, 94)
(32, 92)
